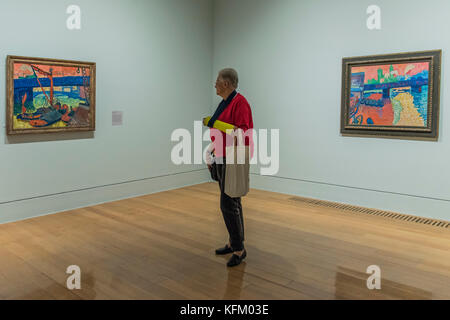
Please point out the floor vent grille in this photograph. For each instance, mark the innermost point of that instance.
(374, 212)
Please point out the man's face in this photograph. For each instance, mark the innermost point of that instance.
(221, 86)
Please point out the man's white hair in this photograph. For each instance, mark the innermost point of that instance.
(230, 75)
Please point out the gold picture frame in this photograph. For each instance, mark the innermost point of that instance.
(371, 104)
(49, 95)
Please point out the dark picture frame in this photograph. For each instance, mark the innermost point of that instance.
(38, 75)
(355, 90)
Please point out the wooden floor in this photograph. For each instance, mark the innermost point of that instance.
(161, 246)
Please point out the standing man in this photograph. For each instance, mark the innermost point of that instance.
(234, 109)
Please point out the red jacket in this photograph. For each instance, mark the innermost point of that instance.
(237, 113)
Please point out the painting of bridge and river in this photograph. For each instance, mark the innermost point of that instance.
(390, 94)
(397, 97)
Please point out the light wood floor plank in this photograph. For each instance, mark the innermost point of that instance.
(161, 246)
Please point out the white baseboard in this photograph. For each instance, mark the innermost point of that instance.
(383, 200)
(30, 208)
(34, 207)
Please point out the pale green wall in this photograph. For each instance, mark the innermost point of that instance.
(153, 62)
(289, 55)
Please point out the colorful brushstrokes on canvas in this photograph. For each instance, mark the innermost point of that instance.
(389, 95)
(50, 96)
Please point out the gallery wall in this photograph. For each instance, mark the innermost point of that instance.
(154, 63)
(289, 56)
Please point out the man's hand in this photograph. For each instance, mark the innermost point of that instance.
(209, 152)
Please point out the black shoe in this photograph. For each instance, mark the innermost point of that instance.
(235, 259)
(224, 250)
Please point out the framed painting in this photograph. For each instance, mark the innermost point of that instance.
(394, 95)
(49, 95)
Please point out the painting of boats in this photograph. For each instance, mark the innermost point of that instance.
(48, 95)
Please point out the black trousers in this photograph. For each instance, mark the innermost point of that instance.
(232, 212)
